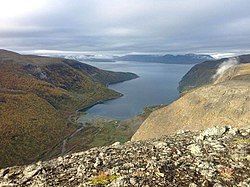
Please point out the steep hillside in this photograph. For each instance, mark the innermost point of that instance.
(202, 74)
(37, 97)
(225, 102)
(214, 157)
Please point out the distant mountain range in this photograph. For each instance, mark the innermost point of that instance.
(83, 57)
(168, 59)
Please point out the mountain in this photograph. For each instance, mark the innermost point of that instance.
(168, 59)
(202, 74)
(214, 157)
(84, 58)
(225, 101)
(38, 100)
(172, 151)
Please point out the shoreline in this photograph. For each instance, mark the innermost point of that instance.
(84, 109)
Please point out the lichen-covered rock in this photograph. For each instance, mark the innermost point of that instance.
(216, 157)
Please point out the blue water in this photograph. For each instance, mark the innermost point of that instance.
(157, 84)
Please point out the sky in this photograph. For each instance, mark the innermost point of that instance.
(215, 27)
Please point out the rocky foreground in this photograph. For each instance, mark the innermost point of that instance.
(218, 156)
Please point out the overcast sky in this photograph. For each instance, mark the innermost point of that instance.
(126, 26)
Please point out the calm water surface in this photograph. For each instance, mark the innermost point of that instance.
(156, 85)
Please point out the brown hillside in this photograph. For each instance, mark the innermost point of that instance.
(38, 95)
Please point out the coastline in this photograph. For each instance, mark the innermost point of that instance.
(84, 109)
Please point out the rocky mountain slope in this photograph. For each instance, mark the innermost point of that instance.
(225, 101)
(218, 156)
(38, 97)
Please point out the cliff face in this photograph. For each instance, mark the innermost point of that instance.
(214, 157)
(37, 97)
(224, 102)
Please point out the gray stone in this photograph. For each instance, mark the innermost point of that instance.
(195, 149)
(98, 162)
(4, 172)
(133, 181)
(160, 145)
(192, 185)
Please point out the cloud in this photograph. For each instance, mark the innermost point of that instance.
(230, 63)
(122, 26)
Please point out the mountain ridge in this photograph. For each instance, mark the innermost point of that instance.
(202, 74)
(168, 59)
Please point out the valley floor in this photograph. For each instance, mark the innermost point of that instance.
(98, 132)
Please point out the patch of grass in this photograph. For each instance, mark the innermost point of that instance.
(121, 139)
(103, 179)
